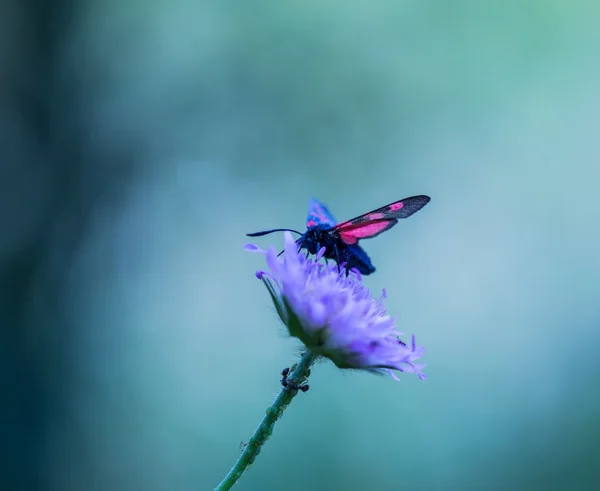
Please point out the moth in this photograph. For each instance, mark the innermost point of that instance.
(341, 239)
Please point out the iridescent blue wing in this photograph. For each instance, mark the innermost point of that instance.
(318, 214)
(355, 257)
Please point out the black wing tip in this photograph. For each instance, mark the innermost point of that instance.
(417, 201)
(421, 200)
(413, 204)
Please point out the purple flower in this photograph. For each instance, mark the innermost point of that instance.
(334, 314)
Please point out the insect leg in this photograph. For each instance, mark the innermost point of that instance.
(337, 256)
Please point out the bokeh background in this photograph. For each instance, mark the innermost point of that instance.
(140, 141)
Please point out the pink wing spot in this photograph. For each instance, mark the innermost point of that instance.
(396, 206)
(311, 223)
(351, 236)
(375, 216)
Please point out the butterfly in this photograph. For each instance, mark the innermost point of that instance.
(341, 239)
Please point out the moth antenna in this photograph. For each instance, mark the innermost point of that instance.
(259, 234)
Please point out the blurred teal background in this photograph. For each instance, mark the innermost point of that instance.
(143, 140)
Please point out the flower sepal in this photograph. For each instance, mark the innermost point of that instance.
(293, 322)
(282, 306)
(278, 301)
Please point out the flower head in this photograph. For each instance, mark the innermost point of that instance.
(334, 314)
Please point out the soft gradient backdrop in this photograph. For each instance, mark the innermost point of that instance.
(141, 140)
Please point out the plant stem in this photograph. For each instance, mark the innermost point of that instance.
(297, 376)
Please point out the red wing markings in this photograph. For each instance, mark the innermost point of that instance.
(365, 230)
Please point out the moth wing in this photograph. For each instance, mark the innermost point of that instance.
(377, 221)
(318, 214)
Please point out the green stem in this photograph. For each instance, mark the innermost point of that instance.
(298, 375)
